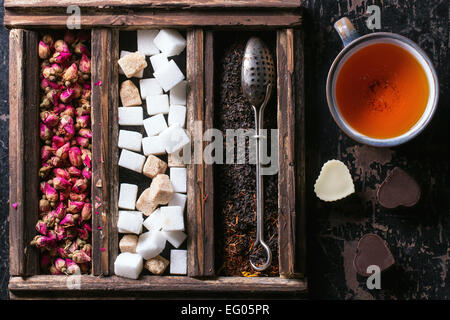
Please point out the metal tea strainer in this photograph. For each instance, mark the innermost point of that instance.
(258, 79)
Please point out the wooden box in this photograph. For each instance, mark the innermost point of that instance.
(200, 19)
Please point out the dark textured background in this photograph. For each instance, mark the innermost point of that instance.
(419, 237)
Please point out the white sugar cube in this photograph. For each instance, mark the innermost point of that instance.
(175, 238)
(177, 114)
(138, 74)
(130, 140)
(170, 41)
(131, 116)
(149, 87)
(172, 218)
(150, 244)
(158, 60)
(169, 75)
(145, 42)
(174, 138)
(127, 196)
(158, 104)
(178, 261)
(128, 265)
(130, 222)
(131, 160)
(154, 220)
(178, 199)
(178, 179)
(177, 94)
(153, 145)
(154, 125)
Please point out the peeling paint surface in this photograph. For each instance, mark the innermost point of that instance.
(418, 237)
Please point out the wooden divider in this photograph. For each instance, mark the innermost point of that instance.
(23, 150)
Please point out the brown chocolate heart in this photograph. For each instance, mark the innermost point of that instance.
(399, 189)
(372, 250)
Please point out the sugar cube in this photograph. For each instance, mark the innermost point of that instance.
(129, 94)
(154, 166)
(139, 74)
(178, 179)
(131, 116)
(150, 87)
(176, 159)
(150, 244)
(145, 203)
(130, 140)
(128, 243)
(155, 124)
(177, 114)
(175, 238)
(178, 199)
(172, 219)
(130, 222)
(161, 190)
(153, 145)
(128, 265)
(145, 42)
(178, 261)
(156, 265)
(169, 75)
(170, 41)
(154, 220)
(157, 104)
(174, 138)
(158, 60)
(132, 63)
(131, 160)
(127, 196)
(177, 94)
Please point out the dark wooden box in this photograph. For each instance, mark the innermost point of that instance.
(200, 19)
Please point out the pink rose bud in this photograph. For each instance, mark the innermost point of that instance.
(57, 68)
(71, 233)
(54, 271)
(64, 195)
(68, 220)
(72, 267)
(71, 74)
(43, 242)
(75, 206)
(85, 133)
(53, 96)
(63, 173)
(81, 48)
(66, 96)
(75, 156)
(85, 64)
(60, 232)
(86, 212)
(54, 161)
(74, 172)
(50, 219)
(87, 161)
(41, 227)
(61, 183)
(77, 197)
(60, 265)
(60, 57)
(80, 257)
(87, 249)
(50, 193)
(44, 170)
(83, 234)
(84, 142)
(87, 173)
(49, 118)
(48, 39)
(44, 50)
(63, 252)
(66, 126)
(61, 46)
(44, 206)
(45, 132)
(77, 90)
(60, 211)
(69, 111)
(57, 142)
(83, 121)
(63, 151)
(47, 152)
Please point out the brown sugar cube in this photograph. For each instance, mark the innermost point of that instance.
(129, 94)
(156, 265)
(132, 63)
(145, 204)
(128, 243)
(176, 160)
(154, 166)
(161, 189)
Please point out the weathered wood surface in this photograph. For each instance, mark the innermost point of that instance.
(200, 251)
(24, 150)
(164, 4)
(51, 286)
(286, 152)
(145, 19)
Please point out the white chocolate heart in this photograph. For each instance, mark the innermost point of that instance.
(334, 181)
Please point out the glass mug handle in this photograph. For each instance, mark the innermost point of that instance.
(346, 30)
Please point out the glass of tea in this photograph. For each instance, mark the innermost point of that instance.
(382, 89)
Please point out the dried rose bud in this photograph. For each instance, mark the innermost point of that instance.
(45, 132)
(49, 118)
(72, 267)
(68, 220)
(60, 211)
(77, 197)
(48, 39)
(50, 219)
(57, 142)
(41, 227)
(85, 133)
(74, 171)
(75, 206)
(81, 48)
(54, 271)
(87, 249)
(44, 206)
(85, 64)
(66, 96)
(54, 161)
(60, 265)
(64, 195)
(44, 171)
(80, 257)
(69, 111)
(87, 173)
(50, 193)
(61, 183)
(44, 50)
(83, 234)
(60, 232)
(66, 126)
(47, 152)
(43, 241)
(84, 142)
(71, 74)
(75, 156)
(86, 213)
(60, 57)
(63, 151)
(83, 121)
